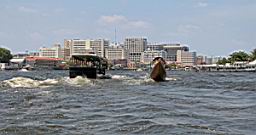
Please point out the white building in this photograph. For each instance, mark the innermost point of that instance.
(135, 47)
(54, 52)
(99, 46)
(85, 47)
(115, 53)
(149, 55)
(79, 47)
(186, 58)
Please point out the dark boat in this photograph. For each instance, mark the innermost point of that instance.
(87, 65)
(158, 72)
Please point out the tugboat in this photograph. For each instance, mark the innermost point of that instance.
(87, 65)
(158, 72)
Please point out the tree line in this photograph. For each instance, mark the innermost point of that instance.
(239, 56)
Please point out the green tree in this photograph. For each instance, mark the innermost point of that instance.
(5, 55)
(239, 56)
(253, 54)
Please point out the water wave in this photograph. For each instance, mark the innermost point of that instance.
(120, 77)
(23, 82)
(77, 81)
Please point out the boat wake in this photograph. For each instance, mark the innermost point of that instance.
(77, 81)
(22, 82)
(25, 82)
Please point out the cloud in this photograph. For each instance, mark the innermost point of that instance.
(202, 4)
(122, 21)
(27, 10)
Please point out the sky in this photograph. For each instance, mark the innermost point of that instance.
(209, 27)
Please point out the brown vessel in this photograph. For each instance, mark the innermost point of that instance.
(158, 72)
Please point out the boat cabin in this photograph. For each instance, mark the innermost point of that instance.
(87, 65)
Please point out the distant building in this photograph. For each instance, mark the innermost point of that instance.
(208, 60)
(20, 55)
(115, 53)
(149, 55)
(216, 59)
(24, 55)
(172, 50)
(155, 46)
(33, 53)
(80, 47)
(54, 52)
(84, 47)
(186, 58)
(67, 49)
(99, 46)
(200, 60)
(135, 47)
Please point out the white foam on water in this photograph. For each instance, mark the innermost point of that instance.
(120, 77)
(22, 82)
(48, 82)
(77, 81)
(139, 81)
(170, 79)
(23, 70)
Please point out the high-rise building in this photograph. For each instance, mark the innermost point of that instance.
(80, 47)
(54, 52)
(99, 46)
(115, 53)
(67, 49)
(135, 48)
(84, 47)
(186, 58)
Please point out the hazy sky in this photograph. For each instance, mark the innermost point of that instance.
(210, 27)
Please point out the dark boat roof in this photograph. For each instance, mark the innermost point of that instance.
(87, 58)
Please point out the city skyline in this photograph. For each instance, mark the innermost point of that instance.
(208, 27)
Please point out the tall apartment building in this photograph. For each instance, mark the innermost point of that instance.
(99, 46)
(186, 58)
(135, 48)
(67, 49)
(115, 53)
(54, 52)
(79, 47)
(84, 47)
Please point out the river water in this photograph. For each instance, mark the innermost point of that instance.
(49, 102)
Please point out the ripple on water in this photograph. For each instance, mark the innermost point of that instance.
(130, 103)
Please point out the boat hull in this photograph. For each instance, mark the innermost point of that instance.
(88, 72)
(158, 73)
